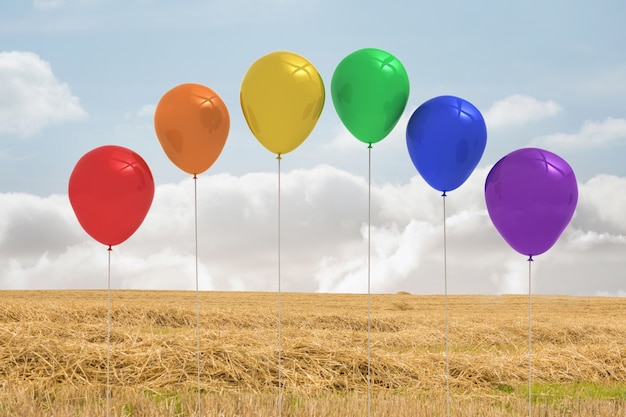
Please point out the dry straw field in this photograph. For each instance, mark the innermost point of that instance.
(53, 355)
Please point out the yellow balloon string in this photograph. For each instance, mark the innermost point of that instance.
(280, 382)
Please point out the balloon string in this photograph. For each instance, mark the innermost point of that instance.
(108, 390)
(369, 292)
(530, 259)
(280, 383)
(195, 205)
(445, 285)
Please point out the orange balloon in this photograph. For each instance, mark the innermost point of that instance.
(192, 123)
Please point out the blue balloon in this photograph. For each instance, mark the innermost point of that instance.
(446, 137)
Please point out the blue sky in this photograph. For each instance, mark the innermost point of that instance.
(77, 74)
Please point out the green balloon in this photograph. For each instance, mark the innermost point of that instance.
(370, 89)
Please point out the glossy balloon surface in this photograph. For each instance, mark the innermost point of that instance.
(111, 190)
(531, 196)
(192, 124)
(370, 90)
(446, 137)
(282, 96)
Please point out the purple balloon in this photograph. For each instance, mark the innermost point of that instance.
(531, 196)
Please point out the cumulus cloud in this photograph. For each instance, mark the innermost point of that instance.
(602, 204)
(517, 110)
(592, 134)
(513, 279)
(323, 239)
(396, 253)
(31, 97)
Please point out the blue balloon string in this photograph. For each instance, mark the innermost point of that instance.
(445, 286)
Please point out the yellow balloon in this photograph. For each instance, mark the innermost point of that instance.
(282, 96)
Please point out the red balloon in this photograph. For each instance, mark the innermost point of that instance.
(111, 190)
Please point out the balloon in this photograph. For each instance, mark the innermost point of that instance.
(531, 196)
(370, 89)
(282, 96)
(111, 190)
(446, 137)
(192, 123)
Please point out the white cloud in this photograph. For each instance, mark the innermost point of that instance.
(31, 226)
(583, 241)
(146, 110)
(602, 204)
(48, 4)
(395, 255)
(45, 5)
(514, 278)
(592, 134)
(605, 82)
(31, 97)
(517, 110)
(618, 293)
(344, 141)
(324, 239)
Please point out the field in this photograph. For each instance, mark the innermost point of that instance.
(53, 355)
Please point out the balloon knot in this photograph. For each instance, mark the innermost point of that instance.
(369, 146)
(444, 194)
(278, 156)
(530, 258)
(110, 248)
(195, 177)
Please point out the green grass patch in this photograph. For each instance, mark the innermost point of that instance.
(505, 388)
(579, 390)
(170, 399)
